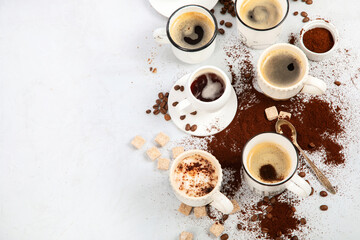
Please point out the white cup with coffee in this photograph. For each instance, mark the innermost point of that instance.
(196, 177)
(208, 89)
(259, 22)
(191, 30)
(270, 164)
(283, 72)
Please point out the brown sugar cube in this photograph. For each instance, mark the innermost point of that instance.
(162, 139)
(138, 142)
(185, 209)
(284, 115)
(200, 212)
(163, 163)
(153, 153)
(271, 113)
(216, 229)
(236, 206)
(176, 151)
(186, 236)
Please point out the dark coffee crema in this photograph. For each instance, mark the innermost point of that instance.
(192, 30)
(208, 87)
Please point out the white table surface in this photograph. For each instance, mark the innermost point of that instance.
(74, 86)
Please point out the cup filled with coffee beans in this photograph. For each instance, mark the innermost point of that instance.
(191, 30)
(208, 89)
(259, 22)
(283, 72)
(270, 163)
(196, 177)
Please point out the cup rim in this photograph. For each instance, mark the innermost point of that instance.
(319, 23)
(277, 45)
(195, 49)
(270, 184)
(213, 160)
(267, 29)
(226, 82)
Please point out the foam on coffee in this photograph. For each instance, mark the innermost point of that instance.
(192, 30)
(261, 14)
(269, 162)
(195, 176)
(282, 68)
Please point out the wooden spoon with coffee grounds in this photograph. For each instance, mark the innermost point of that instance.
(320, 176)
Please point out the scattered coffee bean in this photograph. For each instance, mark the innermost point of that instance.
(293, 209)
(163, 111)
(233, 14)
(306, 19)
(269, 209)
(312, 191)
(266, 199)
(294, 238)
(224, 237)
(309, 2)
(239, 227)
(323, 194)
(222, 22)
(279, 233)
(148, 111)
(158, 101)
(312, 145)
(167, 95)
(176, 87)
(155, 70)
(302, 174)
(155, 106)
(193, 113)
(269, 216)
(162, 104)
(193, 128)
(212, 10)
(166, 107)
(265, 230)
(221, 31)
(228, 24)
(223, 11)
(156, 111)
(296, 13)
(167, 117)
(175, 103)
(225, 217)
(161, 95)
(254, 218)
(303, 221)
(337, 83)
(304, 14)
(182, 117)
(323, 207)
(151, 69)
(273, 200)
(182, 88)
(187, 127)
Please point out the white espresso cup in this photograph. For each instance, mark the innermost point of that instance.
(260, 38)
(292, 182)
(192, 56)
(307, 83)
(215, 198)
(191, 103)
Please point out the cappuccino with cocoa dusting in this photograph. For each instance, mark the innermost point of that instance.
(192, 30)
(195, 176)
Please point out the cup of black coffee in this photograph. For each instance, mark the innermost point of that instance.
(208, 88)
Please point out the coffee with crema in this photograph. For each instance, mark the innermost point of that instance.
(282, 68)
(261, 14)
(269, 162)
(192, 30)
(195, 176)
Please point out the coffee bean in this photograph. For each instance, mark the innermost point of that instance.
(294, 238)
(239, 227)
(155, 70)
(296, 13)
(233, 14)
(182, 117)
(193, 128)
(312, 191)
(265, 230)
(312, 145)
(175, 103)
(166, 107)
(303, 221)
(266, 199)
(323, 194)
(167, 94)
(182, 88)
(193, 113)
(158, 101)
(225, 217)
(176, 87)
(269, 209)
(228, 24)
(162, 104)
(167, 117)
(222, 22)
(187, 127)
(221, 31)
(304, 14)
(293, 209)
(212, 10)
(273, 200)
(156, 111)
(302, 174)
(223, 11)
(231, 9)
(306, 19)
(224, 237)
(151, 69)
(254, 218)
(163, 111)
(323, 207)
(148, 111)
(161, 95)
(279, 233)
(155, 106)
(269, 216)
(337, 83)
(309, 2)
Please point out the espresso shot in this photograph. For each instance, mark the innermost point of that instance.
(208, 87)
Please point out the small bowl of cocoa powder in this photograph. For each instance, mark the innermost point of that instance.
(318, 39)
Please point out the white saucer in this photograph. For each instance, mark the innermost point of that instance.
(208, 123)
(167, 7)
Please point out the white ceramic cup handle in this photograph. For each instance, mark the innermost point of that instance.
(299, 186)
(314, 86)
(222, 203)
(184, 105)
(160, 36)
